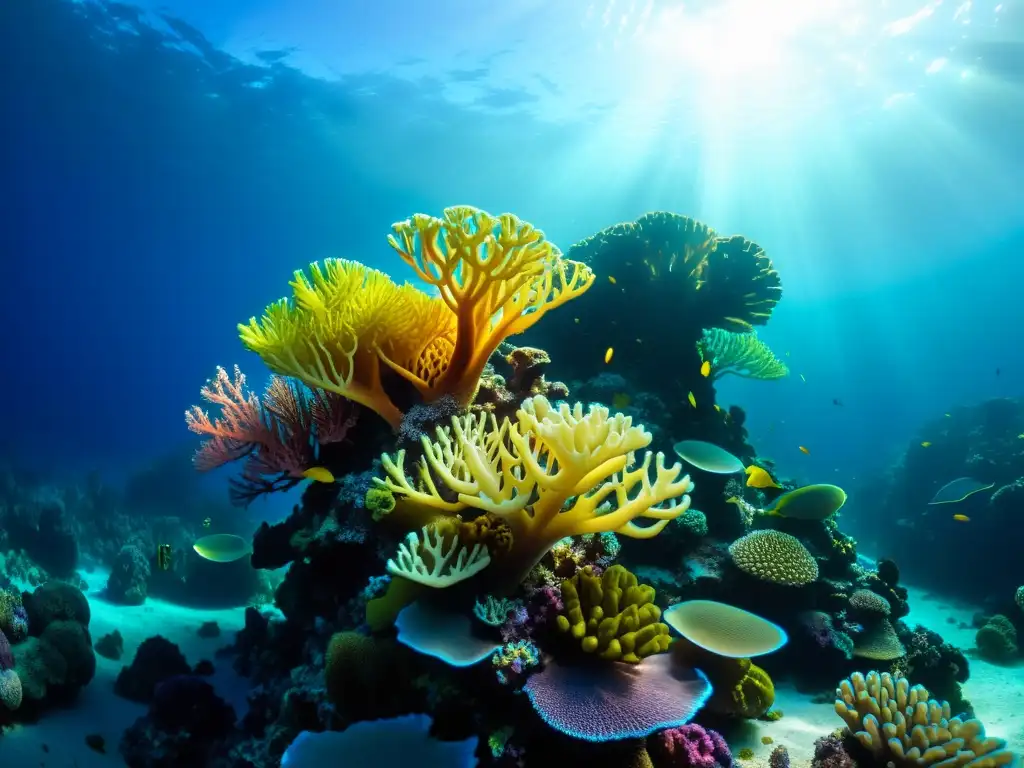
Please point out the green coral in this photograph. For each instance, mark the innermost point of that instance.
(380, 502)
(997, 640)
(10, 600)
(612, 615)
(899, 724)
(739, 354)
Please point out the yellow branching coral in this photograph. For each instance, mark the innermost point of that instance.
(498, 275)
(613, 615)
(741, 354)
(553, 472)
(899, 723)
(342, 317)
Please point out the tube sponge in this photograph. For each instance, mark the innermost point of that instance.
(612, 615)
(899, 723)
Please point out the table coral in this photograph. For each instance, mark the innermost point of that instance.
(612, 615)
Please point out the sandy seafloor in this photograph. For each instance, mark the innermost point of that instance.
(996, 692)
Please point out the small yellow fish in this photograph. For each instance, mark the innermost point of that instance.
(611, 279)
(576, 320)
(608, 355)
(926, 443)
(207, 523)
(718, 407)
(734, 500)
(962, 518)
(1020, 436)
(803, 379)
(621, 400)
(319, 475)
(804, 450)
(692, 399)
(759, 478)
(705, 369)
(948, 416)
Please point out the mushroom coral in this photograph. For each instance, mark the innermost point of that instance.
(346, 324)
(554, 471)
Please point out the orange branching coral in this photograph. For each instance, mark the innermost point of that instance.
(496, 276)
(278, 437)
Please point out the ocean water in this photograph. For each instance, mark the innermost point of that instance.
(167, 167)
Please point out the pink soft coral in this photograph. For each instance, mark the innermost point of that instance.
(278, 437)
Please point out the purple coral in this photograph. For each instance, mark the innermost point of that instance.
(612, 701)
(779, 757)
(6, 654)
(691, 746)
(830, 752)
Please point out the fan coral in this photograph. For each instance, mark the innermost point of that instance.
(774, 556)
(613, 616)
(690, 746)
(278, 437)
(894, 721)
(608, 702)
(554, 472)
(741, 354)
(495, 275)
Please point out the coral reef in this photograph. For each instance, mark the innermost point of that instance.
(891, 720)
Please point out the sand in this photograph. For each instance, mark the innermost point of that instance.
(58, 740)
(996, 692)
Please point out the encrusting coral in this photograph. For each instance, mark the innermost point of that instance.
(899, 723)
(554, 472)
(740, 354)
(346, 323)
(612, 615)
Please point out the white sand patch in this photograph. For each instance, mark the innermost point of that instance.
(98, 709)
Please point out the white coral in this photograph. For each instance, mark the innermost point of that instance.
(437, 570)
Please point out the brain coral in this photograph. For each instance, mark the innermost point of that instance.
(774, 556)
(867, 602)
